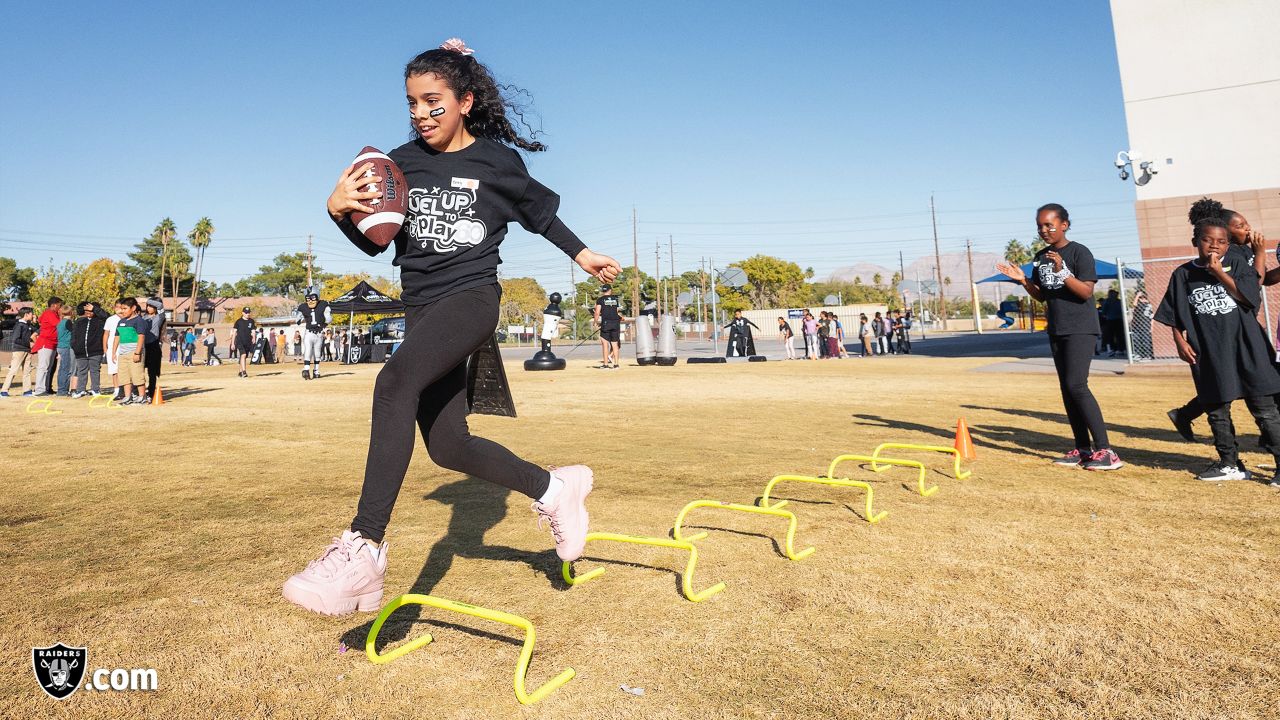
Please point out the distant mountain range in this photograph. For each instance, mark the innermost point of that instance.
(954, 266)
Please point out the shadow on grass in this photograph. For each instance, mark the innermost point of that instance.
(478, 506)
(1041, 445)
(777, 547)
(177, 393)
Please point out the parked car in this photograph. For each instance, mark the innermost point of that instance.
(387, 331)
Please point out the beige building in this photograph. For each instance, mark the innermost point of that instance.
(1201, 83)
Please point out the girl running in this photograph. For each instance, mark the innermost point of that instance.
(1063, 276)
(1247, 245)
(466, 183)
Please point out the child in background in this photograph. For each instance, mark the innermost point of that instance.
(810, 328)
(1210, 305)
(86, 346)
(21, 361)
(66, 359)
(110, 343)
(864, 334)
(131, 332)
(838, 331)
(788, 338)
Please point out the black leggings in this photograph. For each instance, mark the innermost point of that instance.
(151, 361)
(1265, 414)
(426, 381)
(1072, 355)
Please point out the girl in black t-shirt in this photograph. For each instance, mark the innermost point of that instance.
(1209, 304)
(1248, 245)
(465, 184)
(1062, 277)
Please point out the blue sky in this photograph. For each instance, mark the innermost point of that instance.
(814, 132)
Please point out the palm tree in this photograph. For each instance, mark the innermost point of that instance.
(200, 236)
(1016, 253)
(177, 271)
(164, 231)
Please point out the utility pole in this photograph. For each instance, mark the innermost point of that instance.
(657, 274)
(702, 296)
(675, 303)
(973, 287)
(573, 290)
(715, 317)
(635, 262)
(920, 304)
(937, 256)
(902, 278)
(309, 262)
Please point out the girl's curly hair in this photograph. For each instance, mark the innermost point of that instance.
(1205, 207)
(492, 108)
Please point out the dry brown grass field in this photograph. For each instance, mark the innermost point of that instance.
(160, 537)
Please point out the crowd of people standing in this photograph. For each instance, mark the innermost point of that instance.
(824, 336)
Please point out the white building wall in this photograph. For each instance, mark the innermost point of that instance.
(1201, 82)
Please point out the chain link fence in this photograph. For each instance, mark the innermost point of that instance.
(1142, 286)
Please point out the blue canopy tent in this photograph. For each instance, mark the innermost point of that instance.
(1105, 270)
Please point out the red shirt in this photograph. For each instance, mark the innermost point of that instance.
(48, 338)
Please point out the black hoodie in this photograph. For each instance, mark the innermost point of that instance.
(86, 336)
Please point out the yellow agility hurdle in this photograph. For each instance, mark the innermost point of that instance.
(919, 466)
(955, 467)
(46, 407)
(526, 652)
(791, 527)
(109, 402)
(872, 517)
(686, 578)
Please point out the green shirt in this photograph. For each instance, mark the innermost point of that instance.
(130, 329)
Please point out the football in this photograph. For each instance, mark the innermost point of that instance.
(382, 225)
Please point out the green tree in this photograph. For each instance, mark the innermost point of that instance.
(1017, 253)
(15, 282)
(145, 272)
(73, 282)
(521, 298)
(339, 284)
(200, 237)
(877, 279)
(239, 288)
(286, 275)
(771, 281)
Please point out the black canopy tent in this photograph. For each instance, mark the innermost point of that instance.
(364, 298)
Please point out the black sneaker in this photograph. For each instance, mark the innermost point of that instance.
(1103, 460)
(1071, 459)
(1218, 472)
(1182, 426)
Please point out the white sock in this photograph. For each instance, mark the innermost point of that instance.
(553, 491)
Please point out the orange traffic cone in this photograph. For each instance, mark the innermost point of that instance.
(964, 444)
(159, 400)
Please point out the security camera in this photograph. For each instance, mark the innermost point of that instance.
(1124, 174)
(1122, 159)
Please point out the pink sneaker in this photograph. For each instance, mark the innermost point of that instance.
(567, 515)
(346, 577)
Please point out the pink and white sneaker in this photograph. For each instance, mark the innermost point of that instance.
(347, 577)
(567, 514)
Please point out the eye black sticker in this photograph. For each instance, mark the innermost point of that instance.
(436, 113)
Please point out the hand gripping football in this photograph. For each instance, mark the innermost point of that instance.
(382, 225)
